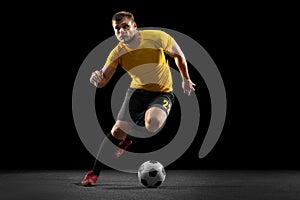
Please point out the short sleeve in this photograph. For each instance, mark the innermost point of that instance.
(112, 59)
(167, 41)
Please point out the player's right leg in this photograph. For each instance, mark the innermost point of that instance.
(90, 179)
(119, 132)
(119, 137)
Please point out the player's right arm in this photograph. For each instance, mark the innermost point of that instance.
(100, 78)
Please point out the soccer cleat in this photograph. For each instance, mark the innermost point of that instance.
(89, 179)
(124, 144)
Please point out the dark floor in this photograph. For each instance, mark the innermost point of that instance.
(179, 184)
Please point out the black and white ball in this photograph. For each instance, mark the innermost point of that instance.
(151, 174)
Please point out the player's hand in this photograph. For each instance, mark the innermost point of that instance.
(97, 78)
(188, 86)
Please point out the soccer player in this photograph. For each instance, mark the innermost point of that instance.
(142, 54)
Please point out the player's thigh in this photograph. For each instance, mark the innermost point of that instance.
(159, 108)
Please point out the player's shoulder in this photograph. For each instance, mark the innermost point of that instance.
(155, 34)
(153, 31)
(119, 48)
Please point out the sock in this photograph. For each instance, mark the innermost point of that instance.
(98, 166)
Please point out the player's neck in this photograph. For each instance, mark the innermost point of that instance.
(135, 41)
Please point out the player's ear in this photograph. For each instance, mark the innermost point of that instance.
(134, 25)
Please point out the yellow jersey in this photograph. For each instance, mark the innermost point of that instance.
(147, 65)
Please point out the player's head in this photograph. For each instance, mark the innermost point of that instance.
(124, 26)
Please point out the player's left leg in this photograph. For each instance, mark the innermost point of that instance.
(155, 118)
(158, 111)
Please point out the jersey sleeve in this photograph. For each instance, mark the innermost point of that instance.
(112, 59)
(167, 41)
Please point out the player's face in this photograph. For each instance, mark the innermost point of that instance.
(124, 30)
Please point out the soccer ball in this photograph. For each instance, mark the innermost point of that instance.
(151, 174)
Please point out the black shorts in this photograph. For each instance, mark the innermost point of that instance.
(138, 101)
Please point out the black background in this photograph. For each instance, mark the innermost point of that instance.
(44, 46)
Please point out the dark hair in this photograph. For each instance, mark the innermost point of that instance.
(121, 15)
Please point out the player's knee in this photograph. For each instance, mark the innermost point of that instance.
(118, 133)
(154, 119)
(152, 124)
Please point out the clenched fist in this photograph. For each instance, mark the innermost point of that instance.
(97, 78)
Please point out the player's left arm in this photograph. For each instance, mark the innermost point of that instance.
(180, 61)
